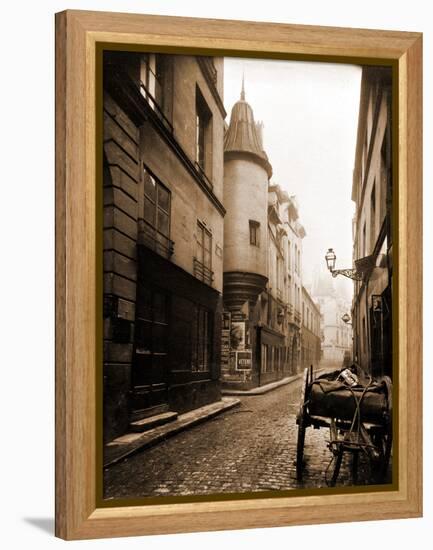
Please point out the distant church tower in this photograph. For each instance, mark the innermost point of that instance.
(246, 175)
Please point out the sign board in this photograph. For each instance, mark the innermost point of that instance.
(243, 360)
(225, 349)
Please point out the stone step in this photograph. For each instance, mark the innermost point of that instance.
(152, 421)
(149, 411)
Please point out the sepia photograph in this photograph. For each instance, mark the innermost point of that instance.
(247, 276)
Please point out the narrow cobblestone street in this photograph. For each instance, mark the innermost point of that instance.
(250, 448)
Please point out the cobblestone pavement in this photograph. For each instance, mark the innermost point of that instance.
(249, 448)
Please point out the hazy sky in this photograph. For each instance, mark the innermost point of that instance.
(310, 116)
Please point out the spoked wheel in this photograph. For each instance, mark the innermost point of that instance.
(302, 426)
(300, 448)
(387, 447)
(383, 439)
(383, 445)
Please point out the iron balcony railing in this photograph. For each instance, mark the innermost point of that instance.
(202, 272)
(149, 236)
(203, 176)
(154, 105)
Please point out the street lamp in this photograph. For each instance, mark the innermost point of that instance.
(330, 258)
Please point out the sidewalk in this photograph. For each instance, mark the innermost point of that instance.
(272, 385)
(130, 443)
(264, 389)
(127, 444)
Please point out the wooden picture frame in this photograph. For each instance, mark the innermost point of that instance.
(79, 34)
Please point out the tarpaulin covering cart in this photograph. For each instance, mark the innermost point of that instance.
(357, 413)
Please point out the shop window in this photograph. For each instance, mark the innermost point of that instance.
(201, 340)
(151, 334)
(264, 365)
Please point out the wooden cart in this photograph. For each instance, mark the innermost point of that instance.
(347, 434)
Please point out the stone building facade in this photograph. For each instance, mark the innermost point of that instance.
(262, 262)
(336, 335)
(311, 352)
(163, 235)
(372, 225)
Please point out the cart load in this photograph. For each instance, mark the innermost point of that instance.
(336, 399)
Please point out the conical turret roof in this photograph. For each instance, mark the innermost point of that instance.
(241, 135)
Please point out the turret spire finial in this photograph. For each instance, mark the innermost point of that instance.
(243, 87)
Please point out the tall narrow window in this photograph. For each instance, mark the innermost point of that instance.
(156, 85)
(254, 233)
(365, 149)
(364, 240)
(203, 134)
(280, 277)
(203, 259)
(385, 156)
(373, 217)
(157, 199)
(289, 258)
(151, 76)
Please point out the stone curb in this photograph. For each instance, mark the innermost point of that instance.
(264, 389)
(114, 453)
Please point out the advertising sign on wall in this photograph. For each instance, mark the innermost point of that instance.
(237, 335)
(243, 360)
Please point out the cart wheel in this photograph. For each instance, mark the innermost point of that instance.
(387, 451)
(383, 440)
(302, 425)
(383, 443)
(387, 436)
(300, 447)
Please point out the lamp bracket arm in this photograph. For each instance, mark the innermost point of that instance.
(349, 273)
